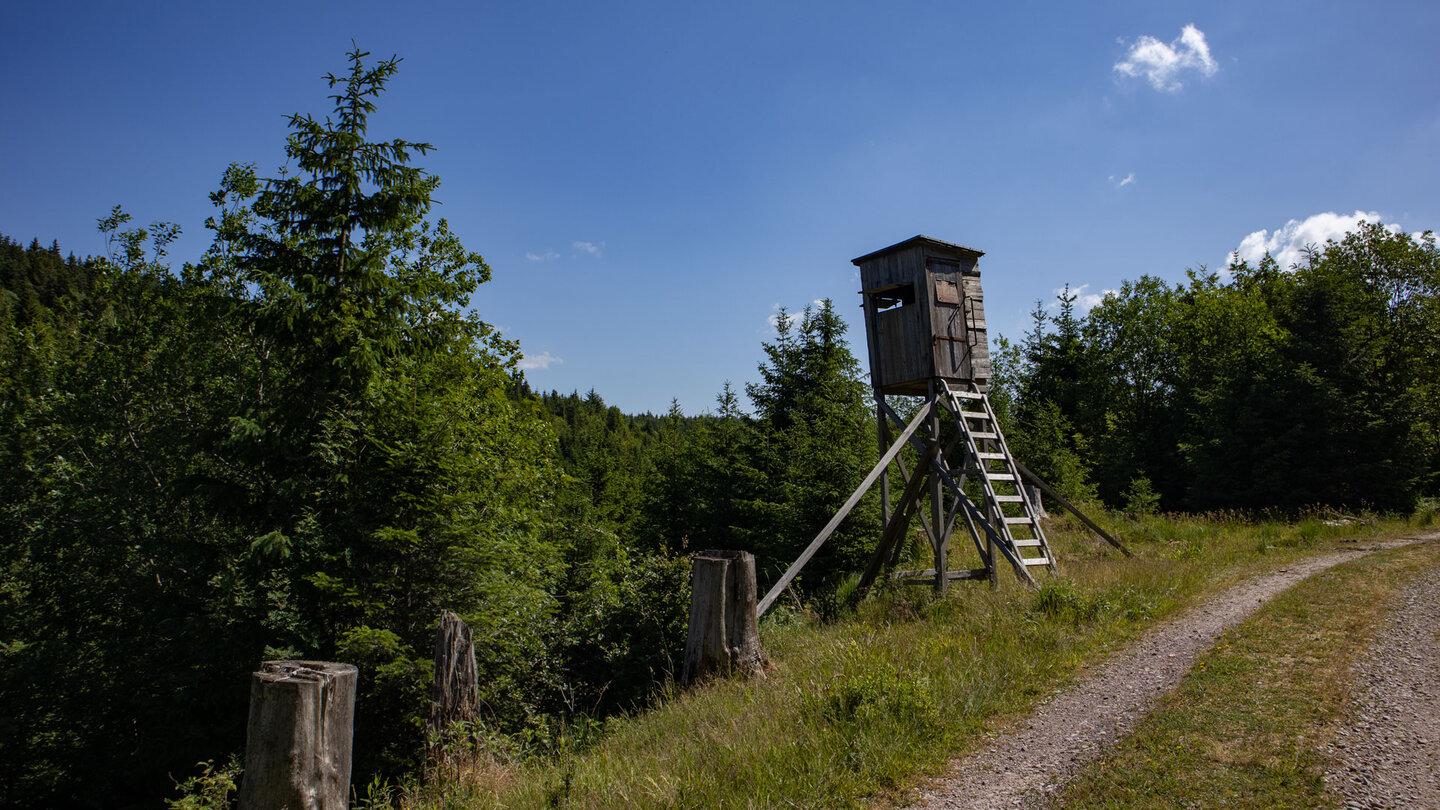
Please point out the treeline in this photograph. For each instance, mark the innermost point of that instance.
(1262, 388)
(305, 446)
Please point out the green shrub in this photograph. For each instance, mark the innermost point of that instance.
(212, 789)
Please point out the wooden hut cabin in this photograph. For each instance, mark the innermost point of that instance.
(924, 316)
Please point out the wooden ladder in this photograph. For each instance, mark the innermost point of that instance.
(1008, 507)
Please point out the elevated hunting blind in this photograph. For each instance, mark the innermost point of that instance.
(924, 316)
(925, 328)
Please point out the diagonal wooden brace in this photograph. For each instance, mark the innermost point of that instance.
(975, 516)
(790, 573)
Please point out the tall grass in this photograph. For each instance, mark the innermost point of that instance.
(857, 709)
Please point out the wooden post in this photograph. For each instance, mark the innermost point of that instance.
(297, 744)
(455, 694)
(883, 432)
(937, 537)
(724, 635)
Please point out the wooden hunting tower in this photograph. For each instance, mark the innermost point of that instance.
(924, 316)
(925, 327)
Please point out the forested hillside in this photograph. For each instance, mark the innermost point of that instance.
(307, 445)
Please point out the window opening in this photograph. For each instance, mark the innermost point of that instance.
(900, 295)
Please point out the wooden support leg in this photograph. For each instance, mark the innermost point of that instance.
(937, 507)
(875, 472)
(895, 532)
(883, 432)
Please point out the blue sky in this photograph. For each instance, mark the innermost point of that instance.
(650, 181)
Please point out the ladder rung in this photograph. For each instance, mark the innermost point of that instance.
(1008, 499)
(1035, 560)
(1027, 542)
(995, 476)
(984, 435)
(974, 415)
(992, 456)
(1022, 519)
(966, 395)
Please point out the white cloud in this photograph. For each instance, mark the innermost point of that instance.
(548, 255)
(589, 248)
(1163, 64)
(539, 362)
(1123, 181)
(792, 316)
(1287, 243)
(1084, 301)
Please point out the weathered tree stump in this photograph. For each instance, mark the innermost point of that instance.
(724, 637)
(297, 745)
(1033, 492)
(455, 695)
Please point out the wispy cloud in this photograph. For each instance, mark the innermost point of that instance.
(539, 362)
(1287, 243)
(1163, 64)
(792, 316)
(1084, 300)
(589, 248)
(1122, 182)
(548, 255)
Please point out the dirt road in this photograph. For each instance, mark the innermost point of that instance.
(1390, 757)
(1022, 767)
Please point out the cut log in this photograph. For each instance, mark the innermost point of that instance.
(297, 743)
(724, 635)
(455, 694)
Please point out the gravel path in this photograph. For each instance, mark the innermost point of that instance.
(1023, 766)
(1390, 757)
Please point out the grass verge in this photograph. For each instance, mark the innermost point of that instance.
(856, 711)
(1248, 726)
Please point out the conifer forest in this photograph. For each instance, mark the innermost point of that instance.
(306, 445)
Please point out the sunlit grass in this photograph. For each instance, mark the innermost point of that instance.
(855, 711)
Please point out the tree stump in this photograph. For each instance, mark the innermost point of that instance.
(297, 744)
(724, 636)
(1034, 494)
(455, 695)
